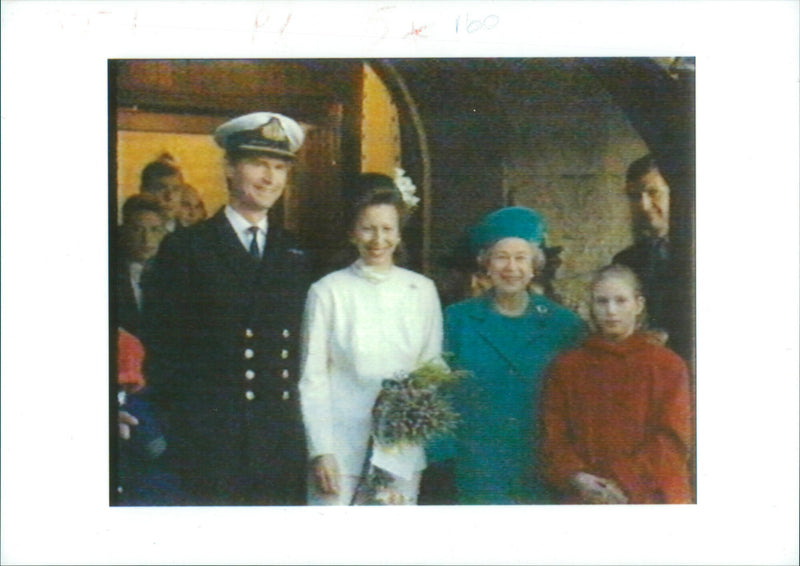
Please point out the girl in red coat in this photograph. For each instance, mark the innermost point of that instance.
(617, 410)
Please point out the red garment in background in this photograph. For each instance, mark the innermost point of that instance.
(130, 354)
(620, 411)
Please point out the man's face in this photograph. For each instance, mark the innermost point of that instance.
(168, 191)
(257, 182)
(143, 235)
(649, 198)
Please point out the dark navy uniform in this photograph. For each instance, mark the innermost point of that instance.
(221, 330)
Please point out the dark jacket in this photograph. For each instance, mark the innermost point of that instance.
(222, 334)
(128, 315)
(666, 310)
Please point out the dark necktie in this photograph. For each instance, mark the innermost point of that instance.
(254, 242)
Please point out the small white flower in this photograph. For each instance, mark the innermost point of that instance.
(406, 187)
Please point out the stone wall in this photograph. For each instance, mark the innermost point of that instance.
(564, 148)
(571, 148)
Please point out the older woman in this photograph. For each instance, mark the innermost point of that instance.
(363, 324)
(505, 338)
(617, 410)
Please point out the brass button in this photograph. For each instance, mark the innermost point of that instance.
(249, 395)
(286, 333)
(249, 374)
(285, 374)
(248, 333)
(285, 395)
(249, 353)
(284, 354)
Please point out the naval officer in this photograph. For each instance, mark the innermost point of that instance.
(221, 323)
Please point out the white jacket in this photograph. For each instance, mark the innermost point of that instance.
(359, 328)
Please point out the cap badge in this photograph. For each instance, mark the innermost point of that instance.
(273, 130)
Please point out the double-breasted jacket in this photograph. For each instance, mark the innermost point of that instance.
(222, 333)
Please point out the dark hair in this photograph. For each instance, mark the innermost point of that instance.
(153, 172)
(364, 190)
(369, 189)
(640, 168)
(141, 203)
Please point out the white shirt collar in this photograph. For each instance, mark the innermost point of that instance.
(242, 227)
(135, 269)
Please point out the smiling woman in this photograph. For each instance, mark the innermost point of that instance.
(510, 267)
(504, 338)
(376, 235)
(364, 324)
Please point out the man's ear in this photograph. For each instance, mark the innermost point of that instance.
(229, 169)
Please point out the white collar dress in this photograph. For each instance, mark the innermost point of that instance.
(361, 327)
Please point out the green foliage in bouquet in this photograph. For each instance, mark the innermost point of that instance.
(411, 408)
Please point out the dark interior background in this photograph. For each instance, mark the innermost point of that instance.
(476, 134)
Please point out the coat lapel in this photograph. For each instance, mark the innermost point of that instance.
(230, 251)
(506, 342)
(271, 258)
(540, 314)
(239, 260)
(127, 309)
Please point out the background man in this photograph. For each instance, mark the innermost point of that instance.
(222, 319)
(649, 256)
(143, 227)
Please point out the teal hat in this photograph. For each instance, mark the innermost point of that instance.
(509, 222)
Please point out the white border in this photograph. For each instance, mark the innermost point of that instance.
(54, 286)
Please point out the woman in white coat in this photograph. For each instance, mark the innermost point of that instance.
(365, 323)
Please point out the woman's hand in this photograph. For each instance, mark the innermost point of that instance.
(594, 489)
(326, 474)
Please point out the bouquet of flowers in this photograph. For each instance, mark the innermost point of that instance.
(410, 410)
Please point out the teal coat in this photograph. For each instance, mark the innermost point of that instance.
(495, 444)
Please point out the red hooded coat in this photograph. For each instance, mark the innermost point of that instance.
(620, 411)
